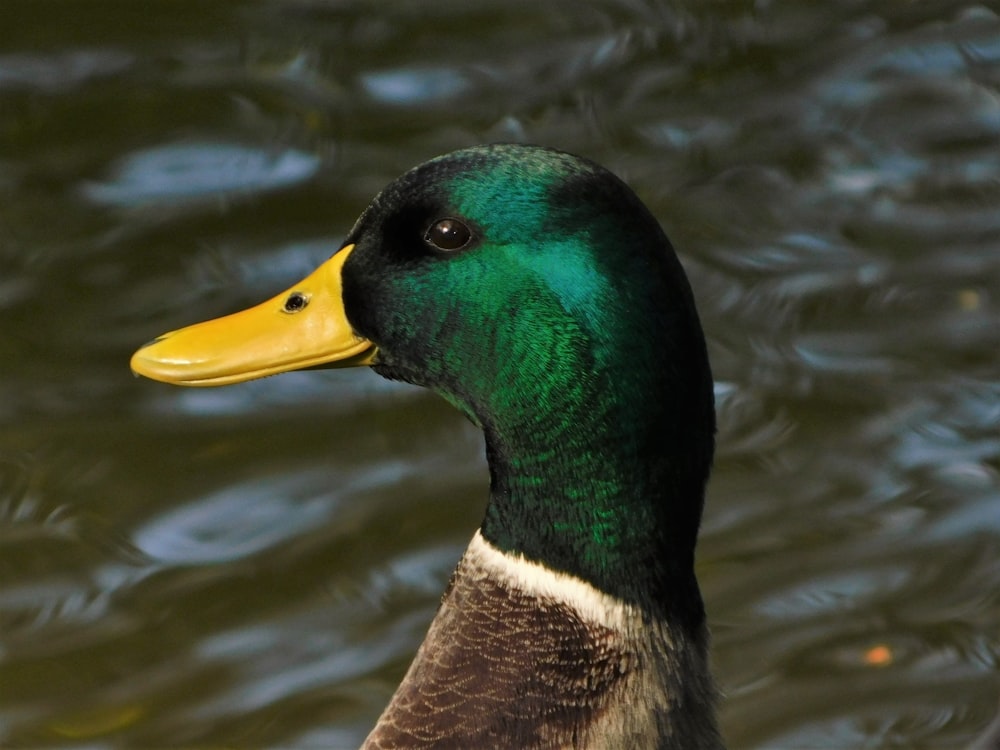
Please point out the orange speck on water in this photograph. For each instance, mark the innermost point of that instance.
(878, 656)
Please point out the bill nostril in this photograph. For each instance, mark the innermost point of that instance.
(296, 302)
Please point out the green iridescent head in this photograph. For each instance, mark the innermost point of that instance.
(533, 289)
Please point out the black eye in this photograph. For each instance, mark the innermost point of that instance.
(448, 235)
(295, 302)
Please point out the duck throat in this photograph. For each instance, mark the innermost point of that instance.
(606, 488)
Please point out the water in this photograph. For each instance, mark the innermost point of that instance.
(256, 565)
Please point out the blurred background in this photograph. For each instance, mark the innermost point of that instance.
(255, 565)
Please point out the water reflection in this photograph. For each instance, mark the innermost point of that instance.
(414, 86)
(189, 171)
(237, 522)
(62, 71)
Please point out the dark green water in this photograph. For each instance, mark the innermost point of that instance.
(255, 565)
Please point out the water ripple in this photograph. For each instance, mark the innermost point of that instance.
(186, 171)
(236, 522)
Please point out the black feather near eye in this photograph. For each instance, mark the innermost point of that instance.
(448, 235)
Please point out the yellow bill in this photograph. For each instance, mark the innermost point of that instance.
(303, 327)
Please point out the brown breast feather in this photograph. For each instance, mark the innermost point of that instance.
(501, 668)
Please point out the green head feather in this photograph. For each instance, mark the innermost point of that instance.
(566, 328)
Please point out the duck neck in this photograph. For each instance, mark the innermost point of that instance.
(606, 488)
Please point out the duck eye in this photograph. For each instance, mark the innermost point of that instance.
(295, 302)
(448, 235)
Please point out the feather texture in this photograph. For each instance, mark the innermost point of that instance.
(522, 657)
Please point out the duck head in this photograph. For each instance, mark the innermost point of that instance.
(533, 290)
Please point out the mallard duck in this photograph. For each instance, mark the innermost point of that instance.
(534, 291)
